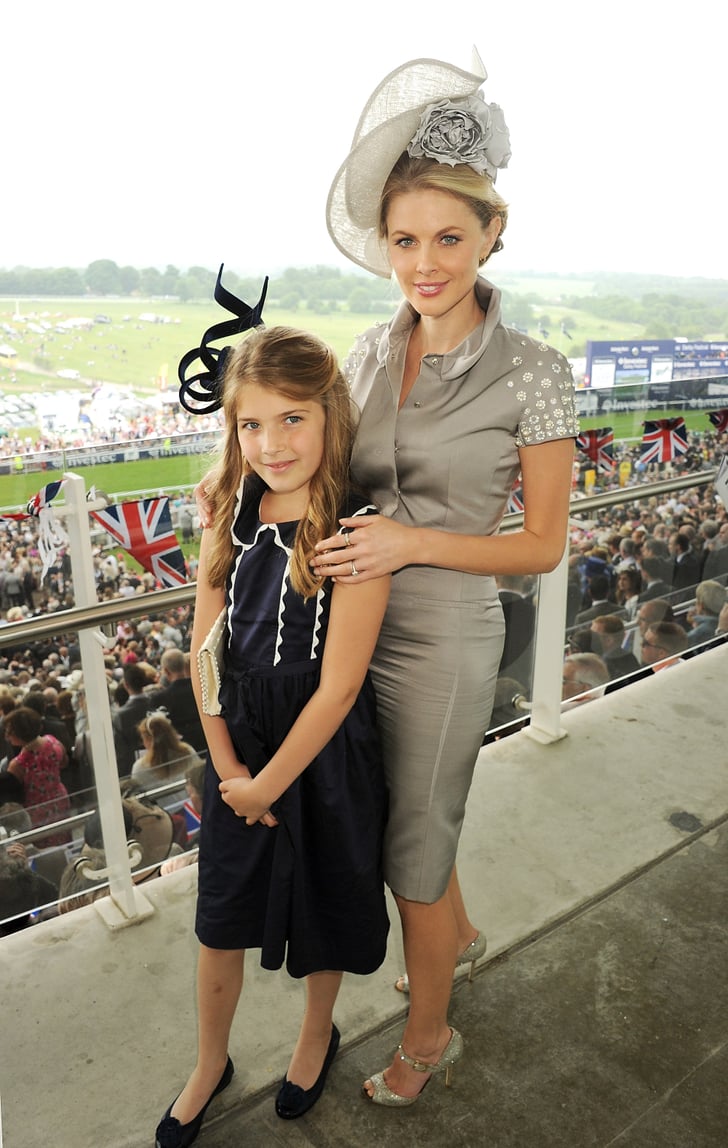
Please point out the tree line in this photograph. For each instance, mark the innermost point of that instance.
(319, 289)
(693, 308)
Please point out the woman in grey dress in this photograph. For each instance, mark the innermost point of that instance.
(454, 406)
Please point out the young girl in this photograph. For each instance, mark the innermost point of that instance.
(294, 794)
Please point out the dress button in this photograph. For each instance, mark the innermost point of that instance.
(418, 405)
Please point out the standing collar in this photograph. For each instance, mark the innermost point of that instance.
(460, 359)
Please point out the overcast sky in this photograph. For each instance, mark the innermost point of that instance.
(164, 132)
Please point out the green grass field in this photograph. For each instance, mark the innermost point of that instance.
(151, 476)
(169, 475)
(628, 424)
(130, 351)
(133, 352)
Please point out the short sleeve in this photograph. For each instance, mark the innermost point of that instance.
(354, 357)
(544, 386)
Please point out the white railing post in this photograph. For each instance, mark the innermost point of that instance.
(548, 660)
(127, 899)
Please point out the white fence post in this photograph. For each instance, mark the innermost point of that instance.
(125, 896)
(548, 661)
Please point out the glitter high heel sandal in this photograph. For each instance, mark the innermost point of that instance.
(383, 1093)
(469, 956)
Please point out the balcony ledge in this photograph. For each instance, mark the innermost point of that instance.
(99, 1025)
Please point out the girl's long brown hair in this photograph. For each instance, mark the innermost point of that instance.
(300, 366)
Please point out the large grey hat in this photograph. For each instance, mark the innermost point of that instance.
(386, 128)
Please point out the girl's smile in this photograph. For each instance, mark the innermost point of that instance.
(282, 440)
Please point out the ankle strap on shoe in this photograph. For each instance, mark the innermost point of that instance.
(417, 1065)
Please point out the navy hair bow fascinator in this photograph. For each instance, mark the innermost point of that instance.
(201, 394)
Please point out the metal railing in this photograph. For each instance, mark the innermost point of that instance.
(159, 601)
(89, 617)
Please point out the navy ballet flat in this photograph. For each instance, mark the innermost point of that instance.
(171, 1134)
(293, 1101)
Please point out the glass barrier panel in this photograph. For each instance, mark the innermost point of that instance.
(153, 718)
(614, 541)
(48, 848)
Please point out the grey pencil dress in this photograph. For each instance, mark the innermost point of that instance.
(448, 460)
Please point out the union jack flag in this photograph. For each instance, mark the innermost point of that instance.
(515, 498)
(663, 440)
(43, 498)
(719, 420)
(51, 535)
(145, 529)
(38, 502)
(598, 445)
(191, 816)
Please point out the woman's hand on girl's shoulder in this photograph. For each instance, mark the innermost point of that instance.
(203, 503)
(203, 500)
(372, 547)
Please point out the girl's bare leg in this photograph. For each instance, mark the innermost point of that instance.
(219, 984)
(313, 1039)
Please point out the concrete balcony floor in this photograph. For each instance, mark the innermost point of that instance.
(597, 867)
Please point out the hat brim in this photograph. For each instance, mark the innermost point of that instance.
(390, 119)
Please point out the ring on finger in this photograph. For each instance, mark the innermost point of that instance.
(347, 539)
(354, 570)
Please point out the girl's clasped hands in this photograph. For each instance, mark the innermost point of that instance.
(244, 798)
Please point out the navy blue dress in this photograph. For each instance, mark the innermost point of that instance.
(309, 891)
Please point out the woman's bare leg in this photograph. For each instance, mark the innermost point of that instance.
(466, 930)
(219, 984)
(313, 1039)
(430, 934)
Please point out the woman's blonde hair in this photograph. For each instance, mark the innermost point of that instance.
(300, 366)
(462, 181)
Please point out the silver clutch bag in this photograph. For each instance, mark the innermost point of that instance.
(211, 662)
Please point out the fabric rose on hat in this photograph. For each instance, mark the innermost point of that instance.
(464, 131)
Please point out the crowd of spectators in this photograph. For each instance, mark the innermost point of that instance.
(647, 584)
(23, 594)
(705, 450)
(168, 421)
